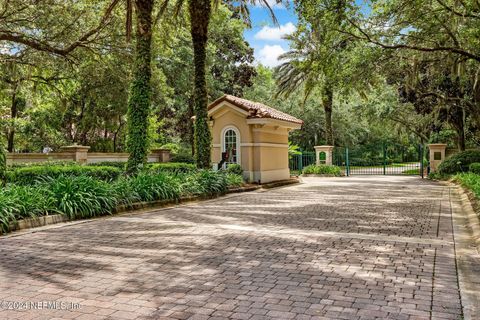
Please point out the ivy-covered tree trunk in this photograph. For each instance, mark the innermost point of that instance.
(200, 11)
(13, 116)
(327, 101)
(3, 166)
(140, 89)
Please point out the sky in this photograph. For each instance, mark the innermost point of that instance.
(266, 38)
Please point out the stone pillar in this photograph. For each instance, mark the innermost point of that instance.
(80, 153)
(437, 155)
(328, 154)
(162, 154)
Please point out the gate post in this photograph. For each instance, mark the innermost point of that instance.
(328, 154)
(300, 162)
(437, 155)
(384, 160)
(347, 163)
(420, 146)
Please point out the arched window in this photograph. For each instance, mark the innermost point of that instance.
(231, 145)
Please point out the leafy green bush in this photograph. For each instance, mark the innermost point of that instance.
(31, 175)
(42, 164)
(116, 164)
(174, 167)
(459, 162)
(18, 202)
(159, 186)
(235, 169)
(87, 196)
(205, 182)
(234, 180)
(475, 167)
(212, 182)
(470, 181)
(322, 169)
(82, 196)
(183, 158)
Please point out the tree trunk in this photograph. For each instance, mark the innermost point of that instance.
(200, 11)
(327, 101)
(140, 89)
(13, 116)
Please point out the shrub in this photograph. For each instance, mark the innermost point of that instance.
(159, 186)
(30, 175)
(459, 162)
(234, 180)
(235, 169)
(212, 182)
(116, 164)
(42, 164)
(22, 202)
(124, 192)
(470, 181)
(475, 167)
(174, 167)
(82, 196)
(205, 182)
(183, 157)
(322, 169)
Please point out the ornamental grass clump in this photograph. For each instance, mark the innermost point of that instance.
(19, 202)
(158, 186)
(81, 197)
(234, 180)
(470, 181)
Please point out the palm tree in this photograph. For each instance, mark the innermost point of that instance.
(200, 14)
(307, 67)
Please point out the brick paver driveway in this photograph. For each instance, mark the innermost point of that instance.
(338, 248)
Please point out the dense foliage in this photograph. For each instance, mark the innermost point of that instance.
(322, 170)
(470, 181)
(82, 194)
(475, 168)
(38, 173)
(459, 162)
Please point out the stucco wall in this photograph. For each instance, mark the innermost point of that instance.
(263, 147)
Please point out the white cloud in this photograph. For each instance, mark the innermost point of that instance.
(268, 55)
(272, 3)
(275, 33)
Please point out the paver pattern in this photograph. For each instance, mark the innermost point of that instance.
(334, 248)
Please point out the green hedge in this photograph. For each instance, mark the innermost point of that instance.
(116, 164)
(459, 162)
(33, 174)
(322, 169)
(176, 167)
(475, 167)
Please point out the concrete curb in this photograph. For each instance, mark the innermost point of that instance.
(466, 228)
(43, 221)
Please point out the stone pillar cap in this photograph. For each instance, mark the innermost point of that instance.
(323, 147)
(75, 146)
(440, 145)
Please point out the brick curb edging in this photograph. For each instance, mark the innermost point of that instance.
(466, 227)
(42, 221)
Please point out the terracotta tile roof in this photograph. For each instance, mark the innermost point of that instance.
(255, 109)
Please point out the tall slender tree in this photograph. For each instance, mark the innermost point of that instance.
(200, 14)
(140, 89)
